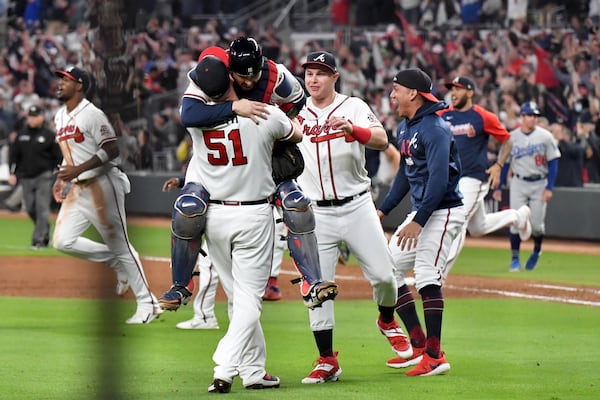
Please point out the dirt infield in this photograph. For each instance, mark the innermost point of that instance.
(72, 277)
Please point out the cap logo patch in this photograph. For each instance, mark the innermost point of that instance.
(320, 58)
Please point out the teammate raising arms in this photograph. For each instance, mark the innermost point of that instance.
(430, 169)
(97, 194)
(472, 127)
(337, 129)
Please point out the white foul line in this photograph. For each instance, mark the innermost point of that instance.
(470, 289)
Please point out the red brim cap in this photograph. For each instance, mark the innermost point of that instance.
(68, 75)
(429, 97)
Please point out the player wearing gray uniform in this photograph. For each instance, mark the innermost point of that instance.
(92, 190)
(336, 130)
(233, 162)
(430, 169)
(534, 163)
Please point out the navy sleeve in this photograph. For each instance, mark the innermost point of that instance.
(552, 171)
(399, 189)
(195, 113)
(503, 175)
(437, 152)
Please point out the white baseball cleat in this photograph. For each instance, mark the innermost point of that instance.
(524, 222)
(145, 313)
(199, 323)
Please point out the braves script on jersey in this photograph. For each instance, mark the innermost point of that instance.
(322, 179)
(530, 153)
(88, 127)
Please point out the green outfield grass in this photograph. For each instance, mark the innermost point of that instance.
(498, 348)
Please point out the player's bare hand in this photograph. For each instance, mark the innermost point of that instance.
(250, 109)
(340, 124)
(494, 173)
(497, 195)
(68, 172)
(58, 191)
(407, 236)
(381, 215)
(547, 195)
(171, 183)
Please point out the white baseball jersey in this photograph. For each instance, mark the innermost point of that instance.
(531, 152)
(334, 162)
(228, 169)
(81, 133)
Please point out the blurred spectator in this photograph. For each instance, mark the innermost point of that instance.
(586, 130)
(143, 155)
(572, 153)
(271, 44)
(165, 129)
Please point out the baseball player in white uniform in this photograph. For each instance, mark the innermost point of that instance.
(92, 190)
(232, 161)
(534, 163)
(336, 130)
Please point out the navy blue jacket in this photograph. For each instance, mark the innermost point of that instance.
(430, 166)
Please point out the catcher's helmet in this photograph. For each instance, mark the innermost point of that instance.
(530, 108)
(245, 57)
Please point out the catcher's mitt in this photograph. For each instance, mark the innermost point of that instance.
(287, 160)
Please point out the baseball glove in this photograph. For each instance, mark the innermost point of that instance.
(287, 160)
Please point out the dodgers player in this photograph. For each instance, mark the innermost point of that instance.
(336, 130)
(233, 162)
(472, 126)
(430, 169)
(534, 164)
(92, 190)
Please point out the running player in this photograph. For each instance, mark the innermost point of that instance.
(92, 190)
(232, 161)
(337, 128)
(430, 169)
(534, 164)
(472, 127)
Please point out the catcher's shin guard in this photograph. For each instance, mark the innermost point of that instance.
(299, 218)
(187, 227)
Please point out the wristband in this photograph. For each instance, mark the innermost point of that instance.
(102, 155)
(361, 134)
(500, 165)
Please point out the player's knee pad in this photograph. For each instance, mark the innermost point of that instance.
(298, 215)
(189, 212)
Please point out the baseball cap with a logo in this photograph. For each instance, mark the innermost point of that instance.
(34, 111)
(75, 74)
(530, 108)
(461, 82)
(414, 78)
(321, 58)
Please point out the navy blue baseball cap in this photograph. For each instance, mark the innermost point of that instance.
(322, 59)
(212, 76)
(461, 82)
(530, 108)
(75, 74)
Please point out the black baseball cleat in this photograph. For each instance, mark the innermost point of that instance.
(219, 386)
(319, 293)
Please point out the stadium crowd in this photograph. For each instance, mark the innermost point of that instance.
(511, 56)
